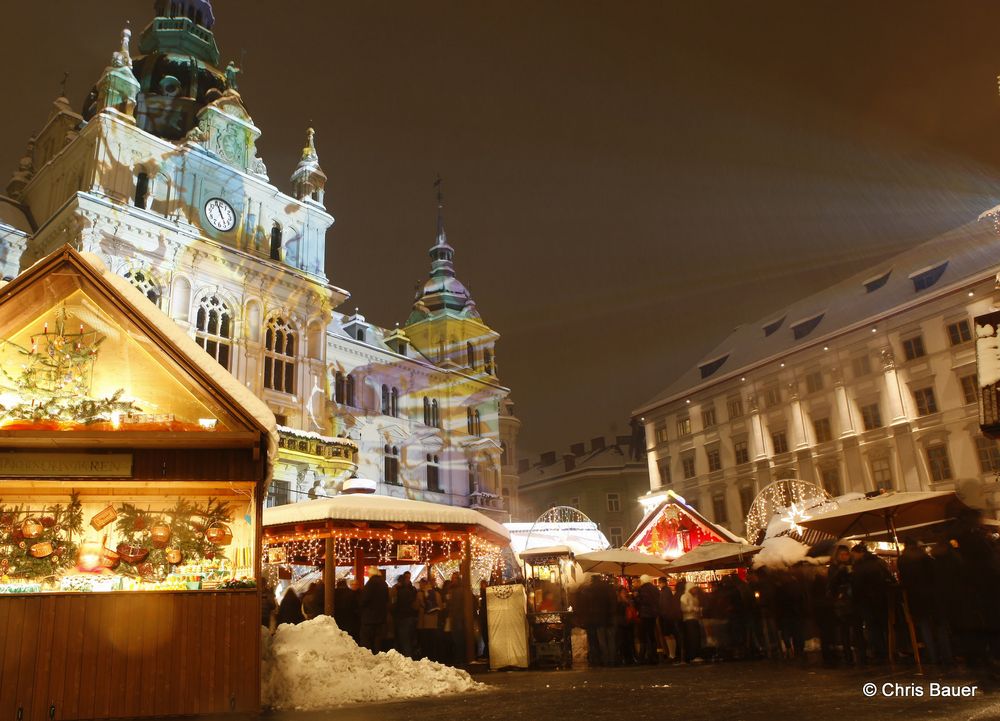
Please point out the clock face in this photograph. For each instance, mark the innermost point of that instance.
(220, 214)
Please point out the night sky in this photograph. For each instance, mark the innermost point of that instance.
(624, 182)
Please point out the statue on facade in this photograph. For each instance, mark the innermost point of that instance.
(231, 72)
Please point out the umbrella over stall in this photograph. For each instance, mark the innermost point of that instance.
(621, 562)
(713, 556)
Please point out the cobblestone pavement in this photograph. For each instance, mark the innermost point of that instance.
(716, 692)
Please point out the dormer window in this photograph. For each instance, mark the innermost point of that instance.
(801, 330)
(359, 333)
(924, 279)
(709, 368)
(873, 284)
(771, 327)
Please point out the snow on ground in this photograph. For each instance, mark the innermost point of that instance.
(314, 665)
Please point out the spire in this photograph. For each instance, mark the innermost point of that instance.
(308, 178)
(118, 87)
(442, 291)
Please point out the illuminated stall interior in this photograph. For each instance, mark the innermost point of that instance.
(129, 462)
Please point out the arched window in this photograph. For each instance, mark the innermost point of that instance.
(215, 329)
(279, 355)
(276, 241)
(433, 474)
(427, 411)
(477, 424)
(349, 396)
(435, 418)
(394, 403)
(391, 465)
(468, 421)
(141, 190)
(339, 388)
(488, 361)
(145, 284)
(470, 353)
(385, 400)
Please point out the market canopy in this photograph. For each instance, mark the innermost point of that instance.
(621, 562)
(369, 511)
(713, 556)
(546, 552)
(887, 512)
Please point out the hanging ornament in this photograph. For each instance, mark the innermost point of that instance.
(140, 522)
(31, 528)
(174, 555)
(48, 521)
(103, 518)
(219, 534)
(160, 533)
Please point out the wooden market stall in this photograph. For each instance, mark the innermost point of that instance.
(132, 472)
(360, 530)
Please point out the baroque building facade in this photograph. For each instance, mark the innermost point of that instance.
(870, 384)
(159, 175)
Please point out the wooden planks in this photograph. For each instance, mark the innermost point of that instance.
(130, 655)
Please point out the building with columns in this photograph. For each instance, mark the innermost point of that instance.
(159, 175)
(868, 384)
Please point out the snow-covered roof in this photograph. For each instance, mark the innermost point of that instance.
(579, 536)
(966, 253)
(209, 365)
(385, 509)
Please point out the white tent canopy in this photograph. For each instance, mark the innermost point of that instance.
(384, 509)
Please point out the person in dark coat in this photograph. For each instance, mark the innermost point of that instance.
(847, 629)
(374, 605)
(870, 579)
(647, 603)
(916, 576)
(345, 609)
(484, 631)
(670, 620)
(404, 615)
(290, 608)
(313, 600)
(604, 600)
(625, 618)
(267, 605)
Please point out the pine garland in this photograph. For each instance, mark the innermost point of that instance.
(60, 523)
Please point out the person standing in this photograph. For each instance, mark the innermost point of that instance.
(404, 615)
(484, 631)
(647, 602)
(625, 619)
(374, 606)
(870, 580)
(290, 608)
(691, 615)
(345, 609)
(457, 604)
(428, 620)
(670, 620)
(847, 626)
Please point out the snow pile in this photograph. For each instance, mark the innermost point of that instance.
(780, 552)
(315, 665)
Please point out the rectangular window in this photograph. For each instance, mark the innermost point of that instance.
(746, 499)
(614, 503)
(707, 416)
(882, 474)
(714, 459)
(871, 416)
(687, 463)
(734, 407)
(661, 433)
(663, 465)
(970, 388)
(937, 462)
(926, 404)
(780, 442)
(615, 536)
(684, 426)
(772, 397)
(814, 382)
(861, 366)
(719, 508)
(433, 477)
(959, 332)
(741, 451)
(392, 470)
(913, 347)
(821, 427)
(989, 454)
(831, 480)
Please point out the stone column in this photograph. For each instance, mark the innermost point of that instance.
(758, 435)
(800, 434)
(894, 396)
(844, 415)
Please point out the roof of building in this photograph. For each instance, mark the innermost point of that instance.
(924, 271)
(12, 214)
(612, 456)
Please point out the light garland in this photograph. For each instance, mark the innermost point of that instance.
(787, 500)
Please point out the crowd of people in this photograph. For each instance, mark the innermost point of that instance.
(948, 591)
(849, 604)
(418, 621)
